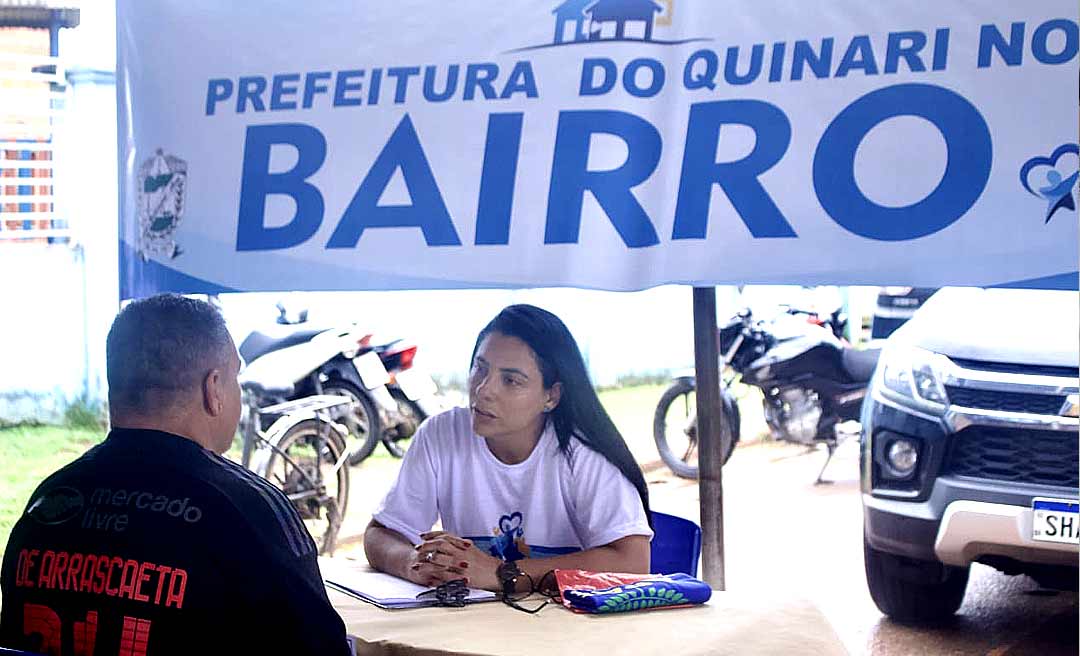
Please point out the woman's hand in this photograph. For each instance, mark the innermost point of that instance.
(444, 556)
(438, 559)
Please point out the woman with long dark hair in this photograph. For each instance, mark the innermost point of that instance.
(531, 477)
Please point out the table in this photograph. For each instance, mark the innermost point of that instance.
(730, 623)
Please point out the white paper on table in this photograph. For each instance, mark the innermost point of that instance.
(381, 589)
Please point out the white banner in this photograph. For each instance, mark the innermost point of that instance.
(611, 144)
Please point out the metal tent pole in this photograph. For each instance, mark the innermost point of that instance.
(711, 427)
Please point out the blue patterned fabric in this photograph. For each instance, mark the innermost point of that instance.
(654, 592)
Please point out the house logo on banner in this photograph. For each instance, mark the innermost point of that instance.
(595, 20)
(1053, 178)
(161, 182)
(590, 21)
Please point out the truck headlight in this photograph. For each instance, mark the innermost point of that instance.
(903, 456)
(913, 373)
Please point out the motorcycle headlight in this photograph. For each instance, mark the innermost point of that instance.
(913, 373)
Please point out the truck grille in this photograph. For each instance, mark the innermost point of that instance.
(1037, 404)
(1041, 457)
(1013, 368)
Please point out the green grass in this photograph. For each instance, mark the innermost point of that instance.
(632, 408)
(30, 454)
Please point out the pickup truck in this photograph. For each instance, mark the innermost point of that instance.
(969, 448)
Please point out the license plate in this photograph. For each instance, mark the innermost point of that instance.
(1055, 520)
(372, 372)
(416, 384)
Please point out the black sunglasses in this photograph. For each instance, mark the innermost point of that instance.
(452, 593)
(548, 588)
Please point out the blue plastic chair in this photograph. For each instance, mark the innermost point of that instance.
(676, 545)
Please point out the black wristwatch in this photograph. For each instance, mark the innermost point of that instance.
(508, 574)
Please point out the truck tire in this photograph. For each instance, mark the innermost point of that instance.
(912, 592)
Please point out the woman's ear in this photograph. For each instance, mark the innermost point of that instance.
(554, 394)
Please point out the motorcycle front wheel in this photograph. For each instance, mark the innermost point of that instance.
(675, 429)
(362, 419)
(412, 416)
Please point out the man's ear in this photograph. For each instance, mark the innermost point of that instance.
(554, 396)
(212, 393)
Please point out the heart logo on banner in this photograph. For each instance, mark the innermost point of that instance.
(1053, 178)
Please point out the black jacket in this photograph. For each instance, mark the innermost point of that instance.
(151, 544)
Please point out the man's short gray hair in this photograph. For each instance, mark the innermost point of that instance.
(160, 346)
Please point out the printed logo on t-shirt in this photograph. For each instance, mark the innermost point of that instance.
(56, 506)
(509, 541)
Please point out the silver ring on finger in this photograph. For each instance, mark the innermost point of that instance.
(429, 556)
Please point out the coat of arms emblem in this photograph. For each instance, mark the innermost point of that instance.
(162, 181)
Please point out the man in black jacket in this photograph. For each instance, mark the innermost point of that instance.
(151, 542)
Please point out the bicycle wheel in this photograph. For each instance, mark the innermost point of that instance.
(303, 467)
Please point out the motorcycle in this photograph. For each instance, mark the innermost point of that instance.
(811, 381)
(390, 395)
(836, 322)
(306, 361)
(412, 389)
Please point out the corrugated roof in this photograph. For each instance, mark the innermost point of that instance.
(51, 4)
(39, 13)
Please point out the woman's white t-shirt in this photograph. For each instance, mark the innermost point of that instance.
(547, 505)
